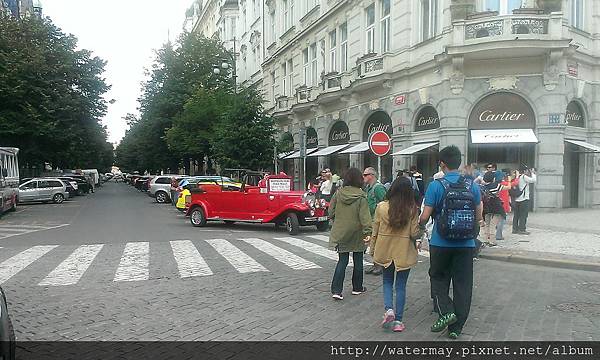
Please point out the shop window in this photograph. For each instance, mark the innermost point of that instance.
(577, 13)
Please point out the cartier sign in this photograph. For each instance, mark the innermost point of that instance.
(378, 121)
(574, 115)
(312, 141)
(339, 134)
(502, 111)
(427, 119)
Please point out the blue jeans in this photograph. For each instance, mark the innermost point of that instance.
(337, 284)
(499, 228)
(388, 289)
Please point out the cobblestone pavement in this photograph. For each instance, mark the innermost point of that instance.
(126, 268)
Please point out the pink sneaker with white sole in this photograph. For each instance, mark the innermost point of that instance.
(398, 326)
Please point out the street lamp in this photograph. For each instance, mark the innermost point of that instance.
(225, 65)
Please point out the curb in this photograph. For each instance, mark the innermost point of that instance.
(540, 261)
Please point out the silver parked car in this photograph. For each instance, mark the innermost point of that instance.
(44, 190)
(160, 188)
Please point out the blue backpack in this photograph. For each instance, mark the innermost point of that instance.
(456, 219)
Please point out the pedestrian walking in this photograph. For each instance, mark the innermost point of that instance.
(352, 224)
(455, 202)
(521, 194)
(394, 246)
(375, 194)
(493, 211)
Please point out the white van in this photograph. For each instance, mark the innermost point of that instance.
(94, 174)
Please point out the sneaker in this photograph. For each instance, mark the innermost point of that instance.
(358, 292)
(491, 245)
(524, 232)
(337, 297)
(398, 326)
(443, 322)
(388, 318)
(453, 335)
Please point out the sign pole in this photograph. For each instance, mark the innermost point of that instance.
(379, 167)
(275, 158)
(303, 156)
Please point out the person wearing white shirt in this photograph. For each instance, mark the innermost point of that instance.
(521, 202)
(326, 185)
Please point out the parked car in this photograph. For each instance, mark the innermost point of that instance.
(141, 183)
(72, 185)
(7, 335)
(83, 186)
(44, 190)
(159, 187)
(275, 203)
(189, 184)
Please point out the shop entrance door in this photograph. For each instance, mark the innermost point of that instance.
(571, 176)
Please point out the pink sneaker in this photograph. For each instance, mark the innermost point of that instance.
(388, 317)
(398, 326)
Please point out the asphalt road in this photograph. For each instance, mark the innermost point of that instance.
(115, 265)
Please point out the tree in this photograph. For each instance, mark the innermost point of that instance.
(244, 138)
(51, 96)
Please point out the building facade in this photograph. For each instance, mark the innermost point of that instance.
(20, 8)
(507, 81)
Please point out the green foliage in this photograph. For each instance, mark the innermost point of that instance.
(51, 96)
(244, 138)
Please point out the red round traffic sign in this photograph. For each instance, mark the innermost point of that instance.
(380, 143)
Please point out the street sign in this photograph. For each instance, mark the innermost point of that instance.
(400, 100)
(380, 143)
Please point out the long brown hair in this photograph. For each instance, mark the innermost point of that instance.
(401, 197)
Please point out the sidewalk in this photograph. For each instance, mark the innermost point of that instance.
(568, 238)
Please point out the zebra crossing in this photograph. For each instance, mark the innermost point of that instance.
(9, 230)
(71, 263)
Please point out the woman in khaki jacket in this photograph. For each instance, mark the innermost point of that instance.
(394, 246)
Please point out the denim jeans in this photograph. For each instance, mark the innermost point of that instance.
(499, 228)
(337, 284)
(388, 289)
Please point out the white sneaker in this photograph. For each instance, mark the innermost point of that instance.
(388, 317)
(338, 296)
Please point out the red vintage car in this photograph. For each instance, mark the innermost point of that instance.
(272, 202)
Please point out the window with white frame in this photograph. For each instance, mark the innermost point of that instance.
(284, 88)
(291, 14)
(285, 16)
(313, 65)
(273, 85)
(290, 74)
(577, 13)
(385, 25)
(306, 63)
(503, 7)
(333, 50)
(273, 27)
(429, 18)
(344, 47)
(322, 56)
(370, 22)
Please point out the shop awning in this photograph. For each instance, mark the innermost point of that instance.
(363, 146)
(284, 154)
(586, 145)
(329, 150)
(416, 148)
(503, 136)
(296, 154)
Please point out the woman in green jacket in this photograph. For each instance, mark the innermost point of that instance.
(349, 212)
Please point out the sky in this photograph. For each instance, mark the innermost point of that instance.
(124, 33)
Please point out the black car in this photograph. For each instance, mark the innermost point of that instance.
(83, 186)
(7, 335)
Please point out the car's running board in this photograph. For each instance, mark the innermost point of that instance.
(236, 220)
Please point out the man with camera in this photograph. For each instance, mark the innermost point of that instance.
(521, 197)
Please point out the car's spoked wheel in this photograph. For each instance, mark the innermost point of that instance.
(291, 224)
(197, 217)
(58, 198)
(161, 197)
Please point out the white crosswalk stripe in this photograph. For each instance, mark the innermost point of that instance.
(319, 237)
(134, 262)
(238, 259)
(189, 261)
(315, 249)
(281, 255)
(10, 230)
(72, 269)
(15, 264)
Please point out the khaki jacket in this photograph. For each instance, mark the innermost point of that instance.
(394, 245)
(349, 211)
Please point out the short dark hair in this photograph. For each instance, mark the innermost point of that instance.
(353, 177)
(451, 156)
(489, 177)
(413, 168)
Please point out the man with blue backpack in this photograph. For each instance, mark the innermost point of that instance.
(454, 201)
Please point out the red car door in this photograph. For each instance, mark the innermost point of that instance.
(254, 204)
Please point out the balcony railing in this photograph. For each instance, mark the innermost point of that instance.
(332, 81)
(302, 94)
(369, 65)
(282, 103)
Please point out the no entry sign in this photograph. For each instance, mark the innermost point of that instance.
(380, 143)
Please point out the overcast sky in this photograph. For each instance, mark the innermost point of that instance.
(124, 33)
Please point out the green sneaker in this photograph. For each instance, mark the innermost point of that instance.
(453, 335)
(443, 322)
